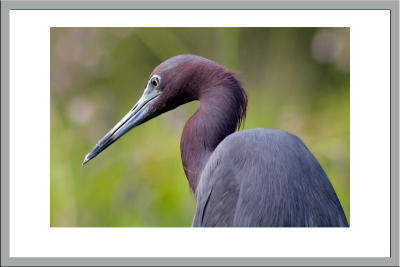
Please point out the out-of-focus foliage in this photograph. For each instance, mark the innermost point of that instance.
(297, 79)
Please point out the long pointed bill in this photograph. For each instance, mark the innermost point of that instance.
(137, 115)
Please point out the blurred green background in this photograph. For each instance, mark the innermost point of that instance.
(297, 79)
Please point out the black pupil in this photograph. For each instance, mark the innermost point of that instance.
(154, 82)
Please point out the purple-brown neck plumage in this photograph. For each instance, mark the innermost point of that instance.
(223, 105)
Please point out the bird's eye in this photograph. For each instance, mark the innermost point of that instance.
(154, 81)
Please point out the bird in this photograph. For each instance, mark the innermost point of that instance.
(239, 178)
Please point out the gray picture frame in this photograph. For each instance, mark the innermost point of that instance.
(393, 6)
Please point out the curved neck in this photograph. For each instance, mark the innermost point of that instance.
(219, 114)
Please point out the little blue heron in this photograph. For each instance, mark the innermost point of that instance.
(249, 178)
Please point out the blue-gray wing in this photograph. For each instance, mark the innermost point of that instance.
(265, 178)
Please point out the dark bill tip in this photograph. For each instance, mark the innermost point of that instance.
(88, 157)
(86, 160)
(97, 149)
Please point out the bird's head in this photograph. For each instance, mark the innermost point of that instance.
(174, 82)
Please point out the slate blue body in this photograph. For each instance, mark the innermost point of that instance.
(267, 178)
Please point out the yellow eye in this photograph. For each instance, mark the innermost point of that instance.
(154, 81)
